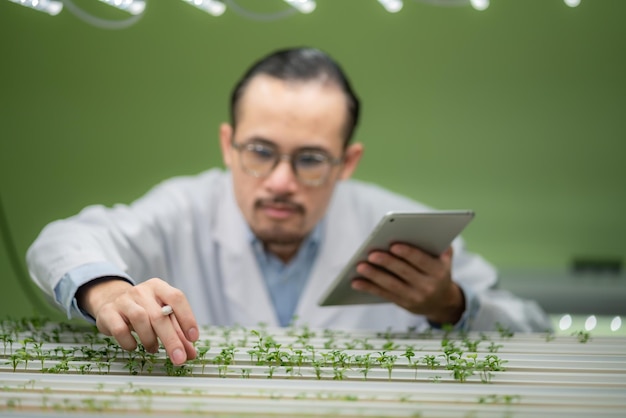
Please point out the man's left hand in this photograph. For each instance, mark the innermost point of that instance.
(414, 280)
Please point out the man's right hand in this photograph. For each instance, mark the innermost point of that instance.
(120, 308)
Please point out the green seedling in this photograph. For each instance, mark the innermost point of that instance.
(582, 336)
(504, 332)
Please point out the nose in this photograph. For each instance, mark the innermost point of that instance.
(282, 180)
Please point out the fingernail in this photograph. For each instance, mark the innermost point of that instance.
(193, 334)
(178, 357)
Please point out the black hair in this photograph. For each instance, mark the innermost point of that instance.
(300, 64)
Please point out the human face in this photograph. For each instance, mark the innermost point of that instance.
(290, 116)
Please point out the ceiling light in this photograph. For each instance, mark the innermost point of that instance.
(572, 3)
(392, 6)
(479, 4)
(51, 7)
(134, 7)
(303, 6)
(212, 7)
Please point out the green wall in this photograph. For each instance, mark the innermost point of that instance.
(516, 112)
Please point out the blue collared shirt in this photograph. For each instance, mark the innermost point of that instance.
(285, 282)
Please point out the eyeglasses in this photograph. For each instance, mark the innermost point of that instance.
(311, 167)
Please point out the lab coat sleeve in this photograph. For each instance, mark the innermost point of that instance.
(66, 288)
(487, 306)
(96, 235)
(499, 308)
(131, 241)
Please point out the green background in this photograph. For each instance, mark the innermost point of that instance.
(517, 112)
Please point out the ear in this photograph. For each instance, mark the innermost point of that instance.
(226, 134)
(353, 155)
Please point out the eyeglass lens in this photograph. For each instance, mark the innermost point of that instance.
(310, 167)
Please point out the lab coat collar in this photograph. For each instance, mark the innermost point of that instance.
(333, 253)
(244, 288)
(249, 298)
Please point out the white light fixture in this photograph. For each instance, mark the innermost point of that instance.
(616, 323)
(565, 322)
(134, 7)
(572, 3)
(51, 7)
(212, 7)
(479, 4)
(392, 6)
(590, 323)
(303, 6)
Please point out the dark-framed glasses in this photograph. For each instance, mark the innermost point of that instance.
(311, 167)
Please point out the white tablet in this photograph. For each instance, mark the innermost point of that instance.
(432, 232)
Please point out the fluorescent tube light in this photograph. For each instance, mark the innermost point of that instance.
(51, 7)
(303, 6)
(479, 4)
(392, 6)
(134, 7)
(572, 3)
(212, 7)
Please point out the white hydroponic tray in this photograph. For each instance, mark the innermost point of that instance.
(58, 369)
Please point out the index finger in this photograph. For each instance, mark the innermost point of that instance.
(420, 259)
(188, 346)
(175, 298)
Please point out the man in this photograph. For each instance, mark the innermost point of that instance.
(262, 240)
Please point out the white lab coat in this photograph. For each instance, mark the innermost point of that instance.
(190, 232)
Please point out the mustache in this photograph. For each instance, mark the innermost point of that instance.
(281, 201)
